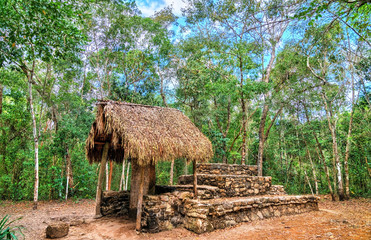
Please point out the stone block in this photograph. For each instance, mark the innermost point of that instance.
(57, 230)
(198, 225)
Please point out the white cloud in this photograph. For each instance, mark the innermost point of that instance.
(177, 6)
(148, 9)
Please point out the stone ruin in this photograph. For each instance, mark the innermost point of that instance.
(227, 195)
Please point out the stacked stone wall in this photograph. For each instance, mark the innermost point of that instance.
(115, 203)
(164, 212)
(206, 216)
(227, 169)
(232, 185)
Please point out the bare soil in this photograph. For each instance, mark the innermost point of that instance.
(335, 220)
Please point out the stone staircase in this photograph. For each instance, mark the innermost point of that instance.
(233, 180)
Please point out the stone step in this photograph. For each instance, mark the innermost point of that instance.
(231, 185)
(227, 169)
(276, 190)
(208, 215)
(189, 186)
(204, 191)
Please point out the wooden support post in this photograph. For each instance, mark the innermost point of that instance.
(127, 177)
(140, 200)
(98, 198)
(150, 176)
(194, 180)
(110, 174)
(122, 179)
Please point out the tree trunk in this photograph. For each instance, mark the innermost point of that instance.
(68, 179)
(247, 151)
(282, 139)
(68, 172)
(332, 127)
(347, 148)
(1, 98)
(306, 177)
(162, 92)
(247, 140)
(368, 168)
(171, 172)
(243, 109)
(224, 157)
(35, 138)
(263, 135)
(313, 170)
(263, 119)
(122, 179)
(98, 198)
(288, 169)
(262, 139)
(4, 142)
(323, 160)
(321, 157)
(224, 132)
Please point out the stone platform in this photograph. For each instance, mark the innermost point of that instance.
(176, 209)
(206, 216)
(224, 200)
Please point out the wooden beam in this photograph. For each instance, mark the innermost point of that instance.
(194, 180)
(140, 200)
(98, 198)
(99, 143)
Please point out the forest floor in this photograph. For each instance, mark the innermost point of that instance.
(335, 220)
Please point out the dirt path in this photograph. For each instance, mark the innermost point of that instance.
(335, 220)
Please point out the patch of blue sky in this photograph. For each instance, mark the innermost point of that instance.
(150, 7)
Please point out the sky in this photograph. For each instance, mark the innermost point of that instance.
(149, 7)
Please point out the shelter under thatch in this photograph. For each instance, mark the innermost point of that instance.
(145, 134)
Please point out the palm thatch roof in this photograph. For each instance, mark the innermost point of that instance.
(145, 134)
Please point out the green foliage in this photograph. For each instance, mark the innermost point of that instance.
(355, 14)
(39, 29)
(89, 50)
(8, 232)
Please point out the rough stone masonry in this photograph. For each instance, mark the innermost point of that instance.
(228, 195)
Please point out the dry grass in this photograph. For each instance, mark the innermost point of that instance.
(145, 134)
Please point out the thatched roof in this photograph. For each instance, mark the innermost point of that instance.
(145, 134)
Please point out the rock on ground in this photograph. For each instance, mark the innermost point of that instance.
(57, 230)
